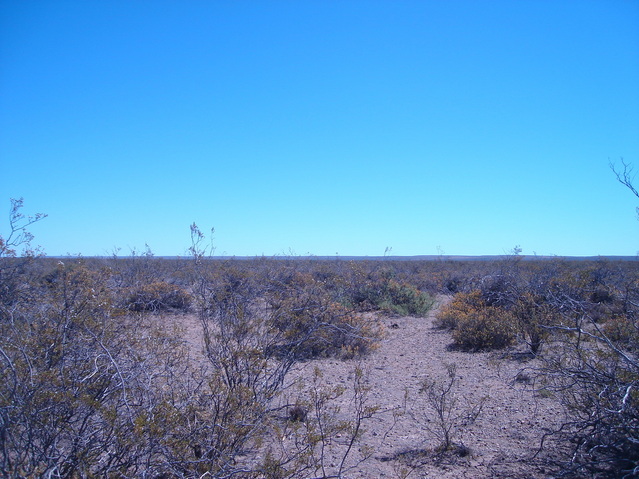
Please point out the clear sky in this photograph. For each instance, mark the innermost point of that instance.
(462, 127)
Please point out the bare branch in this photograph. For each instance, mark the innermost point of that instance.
(18, 224)
(625, 176)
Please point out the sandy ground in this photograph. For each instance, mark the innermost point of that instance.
(502, 440)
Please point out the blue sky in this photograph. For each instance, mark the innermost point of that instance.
(322, 127)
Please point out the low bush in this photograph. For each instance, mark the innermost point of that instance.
(487, 329)
(405, 300)
(476, 326)
(380, 291)
(461, 306)
(597, 381)
(313, 325)
(533, 317)
(158, 296)
(498, 289)
(622, 330)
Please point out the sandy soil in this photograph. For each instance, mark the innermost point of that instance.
(502, 440)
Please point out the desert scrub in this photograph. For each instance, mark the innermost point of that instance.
(312, 324)
(622, 330)
(405, 299)
(476, 326)
(487, 329)
(534, 317)
(443, 415)
(597, 381)
(382, 292)
(461, 306)
(158, 296)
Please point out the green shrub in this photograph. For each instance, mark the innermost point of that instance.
(381, 292)
(405, 299)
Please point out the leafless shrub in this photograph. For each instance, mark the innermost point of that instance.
(443, 415)
(597, 379)
(323, 444)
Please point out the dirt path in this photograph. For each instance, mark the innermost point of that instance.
(502, 440)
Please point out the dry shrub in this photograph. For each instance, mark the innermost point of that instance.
(597, 381)
(476, 326)
(75, 377)
(461, 306)
(158, 296)
(533, 315)
(313, 325)
(443, 415)
(623, 331)
(487, 329)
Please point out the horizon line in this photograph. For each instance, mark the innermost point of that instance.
(365, 257)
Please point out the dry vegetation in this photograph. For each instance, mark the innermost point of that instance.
(291, 368)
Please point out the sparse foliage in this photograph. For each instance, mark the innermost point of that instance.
(443, 414)
(19, 236)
